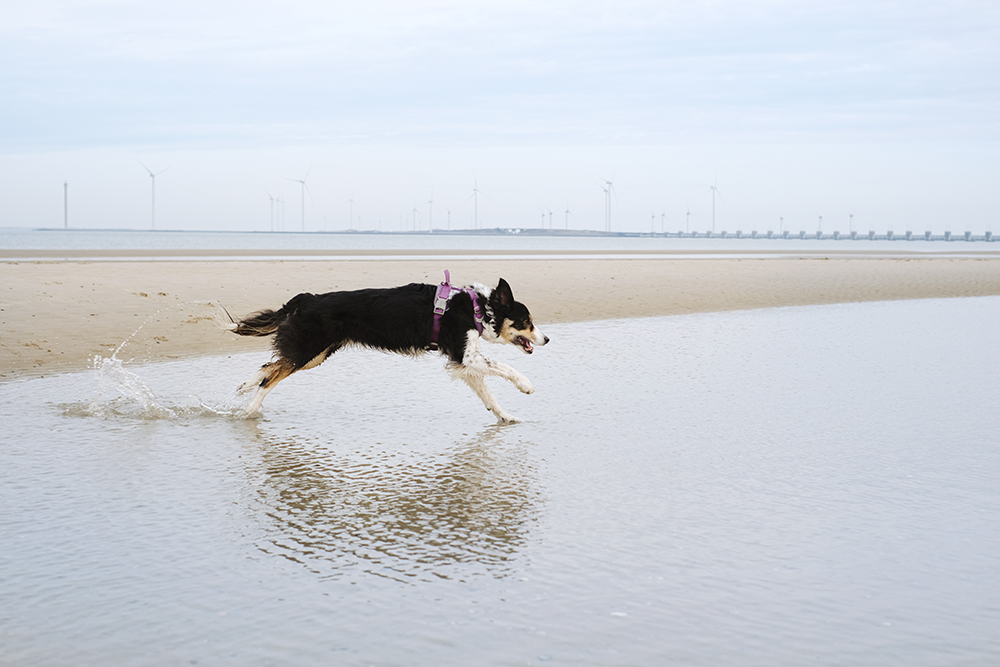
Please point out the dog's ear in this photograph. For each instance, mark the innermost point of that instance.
(503, 294)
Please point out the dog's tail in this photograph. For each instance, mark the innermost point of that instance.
(261, 323)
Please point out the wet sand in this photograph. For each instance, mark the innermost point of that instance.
(57, 316)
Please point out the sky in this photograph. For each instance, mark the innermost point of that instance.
(801, 113)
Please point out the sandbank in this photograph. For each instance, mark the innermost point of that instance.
(58, 315)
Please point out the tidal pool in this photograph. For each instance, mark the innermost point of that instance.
(815, 485)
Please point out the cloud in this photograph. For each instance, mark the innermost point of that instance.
(187, 73)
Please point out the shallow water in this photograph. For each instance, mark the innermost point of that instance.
(123, 239)
(789, 486)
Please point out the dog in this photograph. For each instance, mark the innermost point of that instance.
(411, 320)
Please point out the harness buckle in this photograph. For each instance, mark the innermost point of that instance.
(440, 303)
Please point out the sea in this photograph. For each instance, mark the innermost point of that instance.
(513, 242)
(788, 486)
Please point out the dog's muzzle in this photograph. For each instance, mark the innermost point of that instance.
(527, 345)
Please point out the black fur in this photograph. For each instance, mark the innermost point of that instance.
(311, 327)
(397, 319)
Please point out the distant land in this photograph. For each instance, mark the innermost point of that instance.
(535, 231)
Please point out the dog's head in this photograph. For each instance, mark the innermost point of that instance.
(512, 321)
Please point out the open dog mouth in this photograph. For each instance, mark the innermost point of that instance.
(524, 344)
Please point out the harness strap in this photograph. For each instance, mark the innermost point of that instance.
(442, 299)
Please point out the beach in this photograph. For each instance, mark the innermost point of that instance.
(59, 315)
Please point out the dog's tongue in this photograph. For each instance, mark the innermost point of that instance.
(527, 345)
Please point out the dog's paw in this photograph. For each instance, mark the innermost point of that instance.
(504, 418)
(247, 413)
(524, 385)
(246, 388)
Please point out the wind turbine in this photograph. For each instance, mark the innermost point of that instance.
(272, 208)
(715, 191)
(567, 216)
(350, 213)
(663, 222)
(687, 222)
(607, 205)
(448, 211)
(152, 181)
(302, 182)
(475, 197)
(608, 191)
(430, 213)
(652, 223)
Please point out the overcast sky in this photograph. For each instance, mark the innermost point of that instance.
(795, 110)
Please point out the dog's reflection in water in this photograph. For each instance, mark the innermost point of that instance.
(460, 511)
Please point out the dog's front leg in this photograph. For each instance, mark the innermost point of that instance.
(510, 374)
(477, 382)
(473, 371)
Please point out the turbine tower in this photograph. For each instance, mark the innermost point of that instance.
(152, 205)
(607, 205)
(609, 190)
(475, 197)
(715, 191)
(273, 200)
(302, 182)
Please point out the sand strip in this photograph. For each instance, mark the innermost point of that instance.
(57, 315)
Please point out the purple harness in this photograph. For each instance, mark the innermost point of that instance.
(442, 298)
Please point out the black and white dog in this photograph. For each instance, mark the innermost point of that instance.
(412, 319)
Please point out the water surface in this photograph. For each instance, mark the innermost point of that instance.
(809, 485)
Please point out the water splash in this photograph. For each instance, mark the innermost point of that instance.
(122, 393)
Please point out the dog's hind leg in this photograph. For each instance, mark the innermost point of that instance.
(271, 374)
(254, 381)
(274, 372)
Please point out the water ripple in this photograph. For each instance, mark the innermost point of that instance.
(405, 514)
